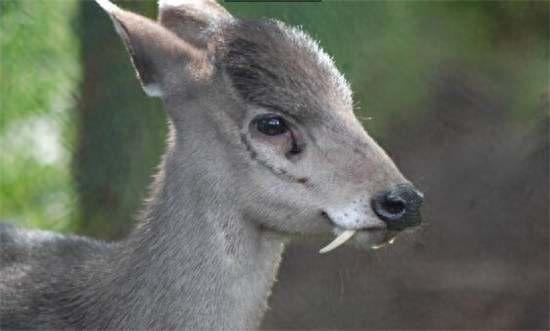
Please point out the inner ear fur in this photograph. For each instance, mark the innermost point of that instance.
(158, 55)
(194, 21)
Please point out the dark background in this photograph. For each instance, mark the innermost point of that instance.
(456, 92)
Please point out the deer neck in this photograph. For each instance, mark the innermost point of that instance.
(195, 260)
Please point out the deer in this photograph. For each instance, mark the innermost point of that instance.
(263, 147)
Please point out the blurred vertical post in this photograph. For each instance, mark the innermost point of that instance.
(121, 131)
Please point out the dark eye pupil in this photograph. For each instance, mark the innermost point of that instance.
(271, 126)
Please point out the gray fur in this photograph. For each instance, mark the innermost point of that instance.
(205, 252)
(279, 67)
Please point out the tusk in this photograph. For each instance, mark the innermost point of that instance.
(375, 247)
(342, 238)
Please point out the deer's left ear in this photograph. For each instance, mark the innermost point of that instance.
(159, 56)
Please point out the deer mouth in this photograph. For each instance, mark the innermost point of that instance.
(373, 238)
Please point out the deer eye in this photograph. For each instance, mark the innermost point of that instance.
(271, 125)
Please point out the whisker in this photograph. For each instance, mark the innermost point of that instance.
(364, 118)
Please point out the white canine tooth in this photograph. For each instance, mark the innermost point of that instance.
(342, 238)
(375, 247)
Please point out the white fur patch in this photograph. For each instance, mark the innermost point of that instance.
(152, 90)
(177, 3)
(108, 6)
(347, 217)
(354, 215)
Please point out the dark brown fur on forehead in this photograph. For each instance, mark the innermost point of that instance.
(281, 68)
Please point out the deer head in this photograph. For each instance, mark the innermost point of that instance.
(264, 117)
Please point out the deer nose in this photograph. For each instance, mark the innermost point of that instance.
(399, 206)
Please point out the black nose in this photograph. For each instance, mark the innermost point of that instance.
(398, 207)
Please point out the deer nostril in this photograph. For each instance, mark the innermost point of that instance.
(394, 205)
(389, 207)
(398, 207)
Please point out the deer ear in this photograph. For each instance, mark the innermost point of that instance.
(193, 20)
(158, 55)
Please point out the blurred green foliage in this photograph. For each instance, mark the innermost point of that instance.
(39, 71)
(39, 57)
(391, 51)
